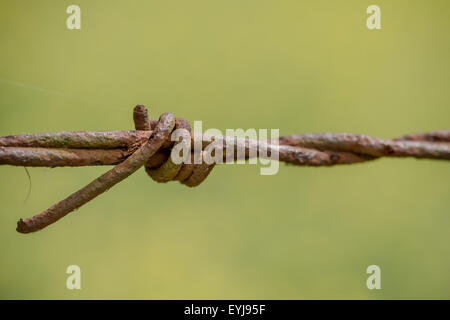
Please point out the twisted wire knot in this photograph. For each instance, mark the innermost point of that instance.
(160, 167)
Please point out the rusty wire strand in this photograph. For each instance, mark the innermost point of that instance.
(112, 147)
(150, 146)
(104, 182)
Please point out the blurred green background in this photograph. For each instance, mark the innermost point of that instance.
(301, 66)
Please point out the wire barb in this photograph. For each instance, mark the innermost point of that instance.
(150, 146)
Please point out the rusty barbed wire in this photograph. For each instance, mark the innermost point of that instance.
(150, 146)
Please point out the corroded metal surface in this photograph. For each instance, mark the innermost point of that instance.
(104, 182)
(362, 144)
(77, 139)
(150, 146)
(49, 157)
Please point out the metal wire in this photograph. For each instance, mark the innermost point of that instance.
(150, 146)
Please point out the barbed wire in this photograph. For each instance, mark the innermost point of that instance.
(150, 146)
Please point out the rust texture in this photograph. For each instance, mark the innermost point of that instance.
(140, 117)
(104, 182)
(435, 136)
(48, 157)
(150, 146)
(77, 139)
(362, 144)
(349, 148)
